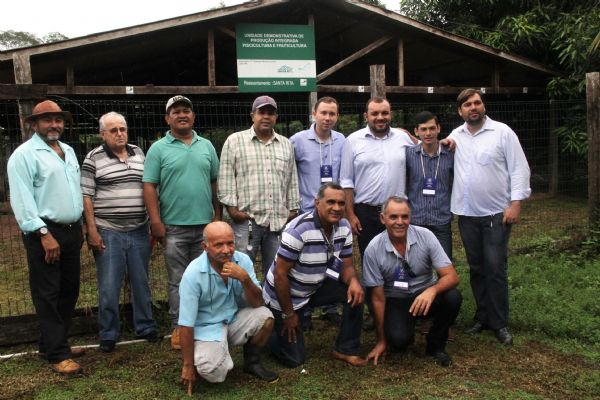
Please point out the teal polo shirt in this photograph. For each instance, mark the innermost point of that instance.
(183, 174)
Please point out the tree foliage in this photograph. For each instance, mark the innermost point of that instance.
(15, 39)
(560, 33)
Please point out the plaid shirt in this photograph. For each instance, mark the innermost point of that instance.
(259, 178)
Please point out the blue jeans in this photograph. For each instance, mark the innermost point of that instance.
(348, 339)
(262, 237)
(125, 252)
(182, 245)
(486, 246)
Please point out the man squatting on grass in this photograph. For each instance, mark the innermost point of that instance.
(221, 305)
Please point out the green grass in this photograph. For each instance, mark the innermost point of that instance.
(555, 315)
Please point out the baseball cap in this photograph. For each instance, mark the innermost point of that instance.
(262, 101)
(178, 99)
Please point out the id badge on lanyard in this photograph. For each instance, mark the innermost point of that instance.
(430, 182)
(326, 170)
(334, 267)
(401, 279)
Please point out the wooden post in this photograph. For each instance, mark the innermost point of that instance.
(22, 70)
(212, 80)
(592, 89)
(70, 78)
(400, 62)
(377, 73)
(552, 152)
(313, 96)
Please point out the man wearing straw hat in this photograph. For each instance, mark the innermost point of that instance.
(45, 196)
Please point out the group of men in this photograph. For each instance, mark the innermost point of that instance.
(300, 201)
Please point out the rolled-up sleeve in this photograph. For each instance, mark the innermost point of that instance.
(20, 180)
(227, 188)
(518, 168)
(347, 166)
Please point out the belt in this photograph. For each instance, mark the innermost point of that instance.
(53, 224)
(369, 206)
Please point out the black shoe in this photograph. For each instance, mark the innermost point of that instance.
(441, 358)
(107, 346)
(333, 318)
(504, 336)
(253, 366)
(152, 337)
(368, 323)
(475, 329)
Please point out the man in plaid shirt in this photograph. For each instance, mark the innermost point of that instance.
(258, 183)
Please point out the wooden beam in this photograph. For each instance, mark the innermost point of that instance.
(141, 90)
(313, 96)
(212, 80)
(400, 62)
(227, 31)
(425, 89)
(22, 92)
(592, 90)
(70, 77)
(377, 77)
(496, 76)
(353, 57)
(22, 71)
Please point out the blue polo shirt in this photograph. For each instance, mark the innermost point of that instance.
(311, 153)
(429, 210)
(206, 303)
(42, 185)
(424, 253)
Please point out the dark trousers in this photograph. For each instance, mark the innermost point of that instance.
(348, 339)
(443, 233)
(370, 222)
(55, 288)
(486, 246)
(399, 324)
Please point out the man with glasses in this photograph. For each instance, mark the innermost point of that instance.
(399, 268)
(117, 229)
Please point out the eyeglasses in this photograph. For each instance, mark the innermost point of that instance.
(116, 130)
(407, 268)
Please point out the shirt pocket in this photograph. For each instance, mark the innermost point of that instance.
(484, 157)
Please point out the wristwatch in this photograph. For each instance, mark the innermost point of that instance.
(43, 231)
(285, 316)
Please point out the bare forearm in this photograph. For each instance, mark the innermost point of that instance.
(216, 203)
(88, 212)
(151, 201)
(186, 338)
(282, 287)
(253, 293)
(378, 301)
(349, 193)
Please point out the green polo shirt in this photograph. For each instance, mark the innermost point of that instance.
(183, 174)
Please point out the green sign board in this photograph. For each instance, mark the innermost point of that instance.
(276, 58)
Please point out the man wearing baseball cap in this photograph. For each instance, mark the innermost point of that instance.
(258, 183)
(180, 178)
(43, 175)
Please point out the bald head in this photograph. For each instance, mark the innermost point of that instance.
(218, 243)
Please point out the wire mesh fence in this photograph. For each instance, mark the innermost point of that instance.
(554, 172)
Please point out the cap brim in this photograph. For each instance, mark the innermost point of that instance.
(65, 114)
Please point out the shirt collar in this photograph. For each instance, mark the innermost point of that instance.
(40, 144)
(487, 126)
(312, 135)
(253, 136)
(368, 133)
(110, 154)
(170, 138)
(410, 240)
(443, 149)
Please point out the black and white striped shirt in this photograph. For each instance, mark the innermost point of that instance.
(115, 187)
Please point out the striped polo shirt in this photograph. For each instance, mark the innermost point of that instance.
(303, 243)
(115, 187)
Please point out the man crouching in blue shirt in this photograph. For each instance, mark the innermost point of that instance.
(221, 304)
(401, 266)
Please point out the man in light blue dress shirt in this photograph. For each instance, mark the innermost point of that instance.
(45, 196)
(318, 153)
(491, 178)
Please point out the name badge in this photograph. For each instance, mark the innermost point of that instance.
(326, 173)
(401, 279)
(334, 266)
(429, 186)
